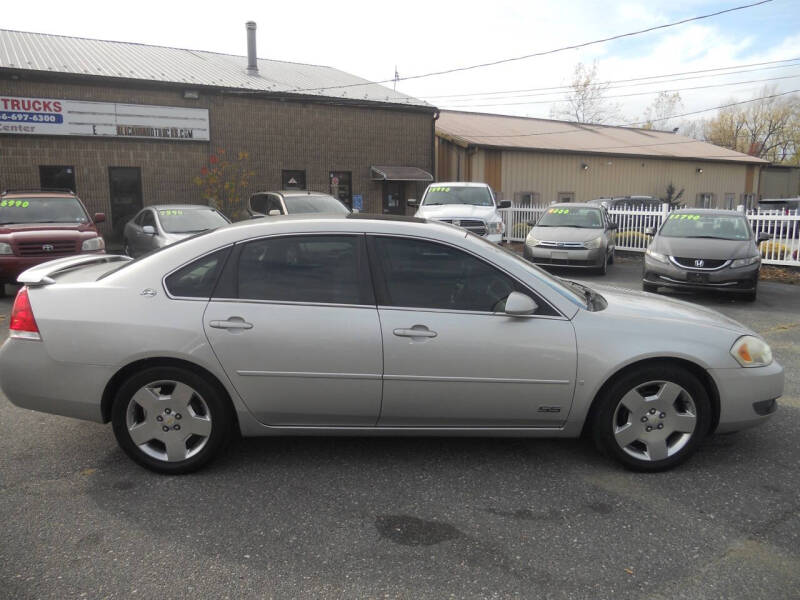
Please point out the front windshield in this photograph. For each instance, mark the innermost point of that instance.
(314, 204)
(458, 194)
(561, 286)
(583, 218)
(189, 220)
(41, 210)
(700, 225)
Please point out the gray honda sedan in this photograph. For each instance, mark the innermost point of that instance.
(702, 249)
(357, 325)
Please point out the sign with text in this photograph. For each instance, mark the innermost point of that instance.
(46, 116)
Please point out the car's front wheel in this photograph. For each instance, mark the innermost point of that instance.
(170, 419)
(652, 418)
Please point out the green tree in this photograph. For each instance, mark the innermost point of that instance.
(223, 183)
(672, 197)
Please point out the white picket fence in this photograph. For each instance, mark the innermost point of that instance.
(782, 249)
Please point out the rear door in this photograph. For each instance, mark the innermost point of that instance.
(295, 326)
(452, 358)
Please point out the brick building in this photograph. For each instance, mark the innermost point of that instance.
(127, 125)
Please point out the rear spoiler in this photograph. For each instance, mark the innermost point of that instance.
(42, 274)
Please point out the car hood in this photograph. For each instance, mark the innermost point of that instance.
(632, 305)
(456, 211)
(565, 234)
(704, 248)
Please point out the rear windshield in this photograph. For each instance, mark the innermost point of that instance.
(582, 218)
(314, 204)
(41, 210)
(190, 220)
(456, 194)
(722, 227)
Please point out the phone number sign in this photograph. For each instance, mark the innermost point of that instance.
(47, 116)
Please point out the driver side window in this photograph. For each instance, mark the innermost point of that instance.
(422, 274)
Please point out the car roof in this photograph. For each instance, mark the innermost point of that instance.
(292, 193)
(460, 184)
(708, 211)
(177, 206)
(38, 193)
(573, 205)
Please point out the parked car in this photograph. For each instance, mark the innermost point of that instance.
(783, 225)
(160, 225)
(780, 205)
(704, 249)
(37, 226)
(293, 202)
(572, 235)
(630, 202)
(369, 326)
(471, 206)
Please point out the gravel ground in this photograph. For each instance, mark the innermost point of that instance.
(410, 518)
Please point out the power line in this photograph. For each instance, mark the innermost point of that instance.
(639, 79)
(542, 53)
(697, 87)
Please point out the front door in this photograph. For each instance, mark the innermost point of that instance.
(297, 332)
(125, 192)
(452, 358)
(394, 202)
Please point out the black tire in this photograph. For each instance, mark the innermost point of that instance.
(603, 269)
(207, 403)
(649, 287)
(126, 249)
(611, 257)
(751, 295)
(611, 418)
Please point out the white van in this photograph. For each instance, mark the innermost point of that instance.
(472, 206)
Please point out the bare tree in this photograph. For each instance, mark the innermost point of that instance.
(586, 102)
(659, 114)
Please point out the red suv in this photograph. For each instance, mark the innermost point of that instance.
(37, 226)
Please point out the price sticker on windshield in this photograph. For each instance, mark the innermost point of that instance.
(684, 217)
(440, 189)
(169, 213)
(14, 203)
(559, 211)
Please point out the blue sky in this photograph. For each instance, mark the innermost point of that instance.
(418, 36)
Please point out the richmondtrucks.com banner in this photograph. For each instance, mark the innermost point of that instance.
(45, 116)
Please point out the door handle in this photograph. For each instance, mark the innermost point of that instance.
(231, 323)
(417, 331)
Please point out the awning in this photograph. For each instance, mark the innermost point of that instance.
(380, 173)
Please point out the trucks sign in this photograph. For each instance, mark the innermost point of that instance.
(46, 116)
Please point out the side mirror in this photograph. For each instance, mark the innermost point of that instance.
(650, 231)
(149, 230)
(763, 236)
(615, 226)
(99, 217)
(275, 212)
(519, 305)
(412, 202)
(504, 204)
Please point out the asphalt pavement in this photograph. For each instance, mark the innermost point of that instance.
(410, 518)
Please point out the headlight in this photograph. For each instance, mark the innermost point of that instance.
(595, 243)
(656, 255)
(750, 351)
(532, 241)
(5, 248)
(493, 227)
(743, 262)
(95, 243)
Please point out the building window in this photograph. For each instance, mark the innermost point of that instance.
(730, 201)
(748, 201)
(293, 179)
(526, 199)
(566, 196)
(705, 200)
(57, 178)
(341, 187)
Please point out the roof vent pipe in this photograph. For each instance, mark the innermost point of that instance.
(252, 61)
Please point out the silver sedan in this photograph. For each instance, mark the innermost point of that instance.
(370, 326)
(164, 224)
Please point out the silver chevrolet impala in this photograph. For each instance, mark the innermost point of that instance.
(367, 325)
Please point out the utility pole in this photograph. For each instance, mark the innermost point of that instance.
(396, 78)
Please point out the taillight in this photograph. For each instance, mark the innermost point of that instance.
(23, 324)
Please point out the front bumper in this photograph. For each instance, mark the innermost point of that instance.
(745, 395)
(11, 265)
(740, 279)
(568, 257)
(31, 379)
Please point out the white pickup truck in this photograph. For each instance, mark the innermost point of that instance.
(472, 206)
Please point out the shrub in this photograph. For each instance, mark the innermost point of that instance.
(776, 250)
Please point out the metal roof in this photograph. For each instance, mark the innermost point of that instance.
(522, 133)
(100, 58)
(393, 173)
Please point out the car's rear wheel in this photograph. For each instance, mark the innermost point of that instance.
(653, 418)
(170, 419)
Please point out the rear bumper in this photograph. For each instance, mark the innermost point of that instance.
(31, 379)
(745, 395)
(11, 265)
